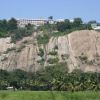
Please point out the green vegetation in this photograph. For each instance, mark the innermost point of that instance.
(61, 28)
(77, 24)
(15, 49)
(53, 53)
(49, 95)
(65, 56)
(83, 58)
(56, 47)
(9, 28)
(53, 60)
(65, 27)
(41, 62)
(44, 39)
(19, 33)
(10, 49)
(54, 77)
(20, 48)
(41, 52)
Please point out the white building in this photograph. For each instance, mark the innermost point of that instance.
(95, 26)
(36, 22)
(62, 20)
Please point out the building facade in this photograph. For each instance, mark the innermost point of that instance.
(37, 22)
(96, 26)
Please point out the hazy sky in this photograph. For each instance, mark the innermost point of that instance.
(86, 9)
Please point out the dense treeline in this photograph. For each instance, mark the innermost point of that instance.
(52, 78)
(76, 24)
(62, 28)
(66, 26)
(7, 26)
(10, 28)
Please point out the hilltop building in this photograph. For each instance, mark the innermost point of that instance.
(36, 22)
(96, 26)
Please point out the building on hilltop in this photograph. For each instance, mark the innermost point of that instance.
(37, 22)
(62, 20)
(96, 26)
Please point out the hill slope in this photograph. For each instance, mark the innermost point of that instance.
(79, 49)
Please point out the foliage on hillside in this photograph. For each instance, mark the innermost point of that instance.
(55, 77)
(43, 39)
(65, 27)
(61, 28)
(9, 28)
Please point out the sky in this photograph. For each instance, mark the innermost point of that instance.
(59, 9)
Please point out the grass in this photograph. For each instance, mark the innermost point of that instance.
(47, 95)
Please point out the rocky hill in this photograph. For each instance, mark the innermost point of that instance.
(78, 50)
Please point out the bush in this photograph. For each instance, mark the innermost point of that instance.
(83, 58)
(54, 53)
(53, 60)
(26, 41)
(3, 34)
(65, 56)
(43, 39)
(20, 48)
(41, 61)
(41, 52)
(56, 47)
(10, 49)
(18, 34)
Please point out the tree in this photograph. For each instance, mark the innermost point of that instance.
(92, 22)
(3, 25)
(50, 17)
(12, 24)
(29, 27)
(43, 39)
(61, 26)
(67, 23)
(77, 22)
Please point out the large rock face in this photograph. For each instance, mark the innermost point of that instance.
(80, 50)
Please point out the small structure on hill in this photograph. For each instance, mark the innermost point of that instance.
(96, 26)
